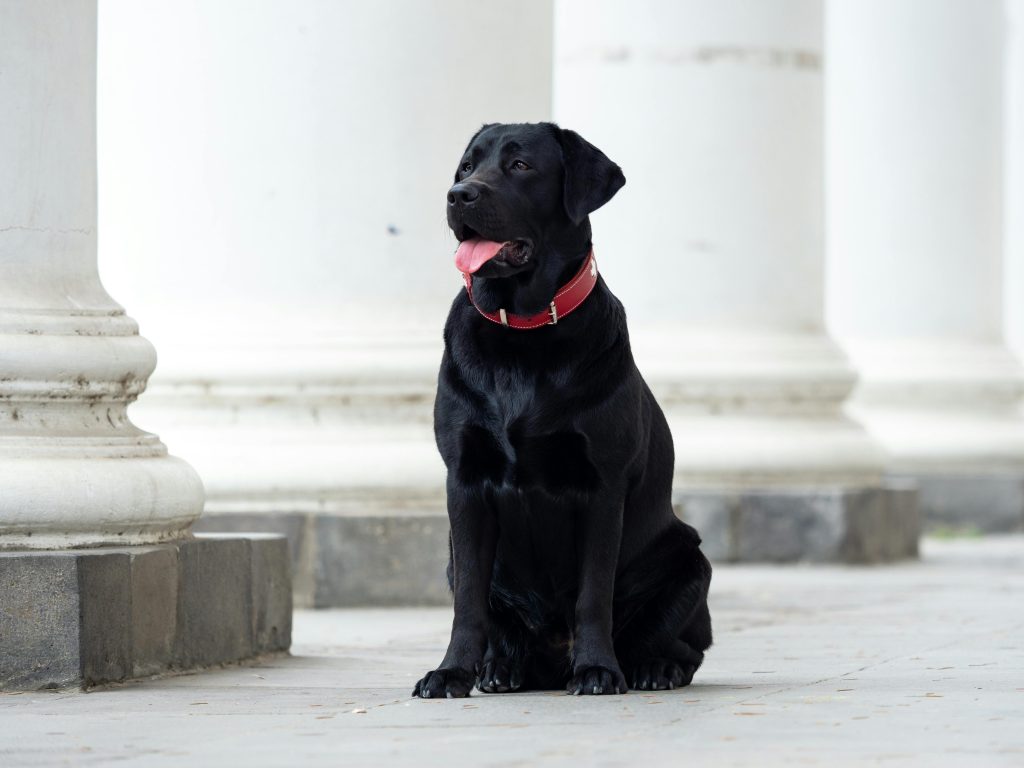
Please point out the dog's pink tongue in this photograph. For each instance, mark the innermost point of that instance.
(473, 254)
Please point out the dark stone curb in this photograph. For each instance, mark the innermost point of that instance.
(356, 560)
(842, 525)
(981, 503)
(91, 616)
(400, 559)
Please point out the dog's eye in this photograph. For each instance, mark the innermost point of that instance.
(467, 167)
(519, 165)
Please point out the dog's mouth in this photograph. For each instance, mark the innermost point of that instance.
(475, 251)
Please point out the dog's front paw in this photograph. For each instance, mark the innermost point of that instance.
(451, 683)
(662, 674)
(500, 676)
(596, 681)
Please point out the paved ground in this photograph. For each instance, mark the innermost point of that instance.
(917, 664)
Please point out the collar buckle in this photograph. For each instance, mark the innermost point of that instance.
(553, 311)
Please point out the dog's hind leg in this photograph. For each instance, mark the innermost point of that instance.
(663, 626)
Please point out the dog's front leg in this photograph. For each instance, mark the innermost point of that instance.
(595, 670)
(473, 539)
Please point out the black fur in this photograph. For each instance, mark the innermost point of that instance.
(568, 566)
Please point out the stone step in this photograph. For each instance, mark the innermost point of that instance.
(91, 616)
(398, 557)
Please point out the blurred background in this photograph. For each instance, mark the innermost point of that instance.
(819, 246)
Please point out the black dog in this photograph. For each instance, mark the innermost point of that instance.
(567, 564)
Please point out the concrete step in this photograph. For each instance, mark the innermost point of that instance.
(86, 617)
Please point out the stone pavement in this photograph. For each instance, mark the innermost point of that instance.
(911, 664)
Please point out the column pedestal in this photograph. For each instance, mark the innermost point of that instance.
(768, 466)
(948, 413)
(84, 617)
(334, 449)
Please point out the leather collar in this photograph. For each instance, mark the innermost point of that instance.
(569, 296)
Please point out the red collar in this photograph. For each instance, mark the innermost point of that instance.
(570, 296)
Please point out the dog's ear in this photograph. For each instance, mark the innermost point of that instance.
(469, 143)
(591, 179)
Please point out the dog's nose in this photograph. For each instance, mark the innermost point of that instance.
(463, 193)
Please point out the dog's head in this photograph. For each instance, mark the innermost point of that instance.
(521, 199)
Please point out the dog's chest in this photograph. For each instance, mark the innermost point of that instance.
(526, 438)
(516, 396)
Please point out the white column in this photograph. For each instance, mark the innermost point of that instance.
(1014, 204)
(715, 245)
(915, 189)
(74, 470)
(274, 179)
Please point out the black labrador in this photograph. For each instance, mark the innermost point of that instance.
(567, 563)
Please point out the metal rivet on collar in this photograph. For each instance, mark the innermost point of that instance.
(504, 317)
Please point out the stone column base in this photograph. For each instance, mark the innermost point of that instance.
(392, 557)
(379, 558)
(845, 525)
(985, 502)
(82, 617)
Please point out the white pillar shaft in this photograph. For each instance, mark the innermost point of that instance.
(715, 245)
(1014, 157)
(915, 190)
(290, 255)
(714, 111)
(915, 168)
(73, 469)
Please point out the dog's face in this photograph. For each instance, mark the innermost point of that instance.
(521, 198)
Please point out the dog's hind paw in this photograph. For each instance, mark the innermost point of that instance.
(662, 674)
(500, 676)
(596, 681)
(450, 683)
